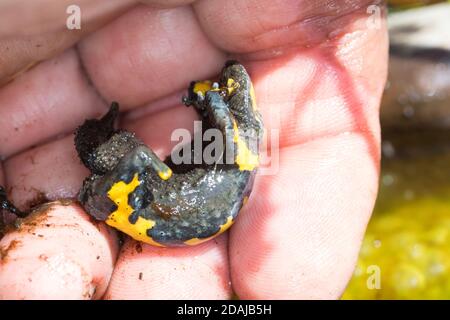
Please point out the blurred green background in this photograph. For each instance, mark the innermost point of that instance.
(405, 253)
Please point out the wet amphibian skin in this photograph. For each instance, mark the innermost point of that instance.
(166, 203)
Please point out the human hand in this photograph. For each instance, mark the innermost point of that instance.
(318, 72)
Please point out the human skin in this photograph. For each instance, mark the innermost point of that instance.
(318, 69)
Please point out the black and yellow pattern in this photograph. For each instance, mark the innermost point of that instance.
(164, 204)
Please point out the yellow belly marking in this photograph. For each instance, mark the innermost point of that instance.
(118, 219)
(245, 159)
(223, 228)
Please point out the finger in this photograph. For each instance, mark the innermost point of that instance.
(244, 26)
(54, 93)
(34, 21)
(48, 172)
(139, 66)
(167, 3)
(147, 272)
(57, 253)
(36, 37)
(300, 240)
(301, 99)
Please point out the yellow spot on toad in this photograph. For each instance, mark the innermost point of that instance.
(223, 228)
(231, 86)
(118, 219)
(202, 86)
(245, 159)
(165, 174)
